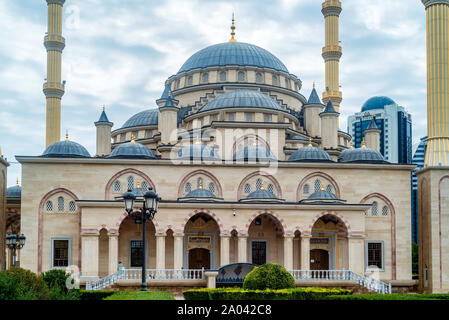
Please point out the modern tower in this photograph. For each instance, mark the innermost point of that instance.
(332, 53)
(433, 180)
(53, 87)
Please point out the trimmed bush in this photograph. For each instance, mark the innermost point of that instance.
(56, 281)
(198, 294)
(21, 284)
(94, 295)
(269, 276)
(391, 297)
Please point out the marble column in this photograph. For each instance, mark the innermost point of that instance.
(160, 250)
(89, 255)
(288, 251)
(224, 249)
(243, 248)
(113, 253)
(356, 255)
(305, 252)
(177, 251)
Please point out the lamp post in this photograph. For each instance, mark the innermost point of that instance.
(14, 243)
(140, 216)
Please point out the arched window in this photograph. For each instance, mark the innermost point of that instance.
(329, 189)
(130, 183)
(190, 80)
(258, 77)
(271, 188)
(223, 76)
(287, 83)
(205, 78)
(178, 84)
(385, 211)
(188, 187)
(241, 76)
(274, 80)
(117, 186)
(247, 188)
(374, 209)
(317, 185)
(306, 189)
(60, 204)
(72, 206)
(212, 187)
(49, 206)
(144, 186)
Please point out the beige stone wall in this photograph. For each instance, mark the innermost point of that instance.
(41, 178)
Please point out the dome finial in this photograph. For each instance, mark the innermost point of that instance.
(233, 29)
(314, 84)
(322, 186)
(17, 182)
(262, 187)
(138, 184)
(350, 145)
(197, 141)
(67, 135)
(363, 144)
(201, 184)
(310, 142)
(133, 138)
(1, 155)
(104, 108)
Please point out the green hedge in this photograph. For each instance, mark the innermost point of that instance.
(268, 294)
(95, 295)
(391, 297)
(268, 276)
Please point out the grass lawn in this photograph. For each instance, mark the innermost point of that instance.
(141, 295)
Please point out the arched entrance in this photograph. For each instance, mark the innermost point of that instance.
(265, 240)
(201, 241)
(329, 244)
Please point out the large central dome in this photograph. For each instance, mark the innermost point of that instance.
(233, 53)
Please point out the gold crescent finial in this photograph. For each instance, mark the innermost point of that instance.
(197, 141)
(363, 144)
(322, 186)
(138, 184)
(314, 84)
(133, 138)
(262, 187)
(17, 182)
(233, 30)
(201, 184)
(104, 108)
(350, 145)
(67, 135)
(310, 142)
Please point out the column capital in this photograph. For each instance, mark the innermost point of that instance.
(288, 236)
(160, 234)
(428, 3)
(113, 235)
(242, 235)
(225, 235)
(89, 233)
(178, 235)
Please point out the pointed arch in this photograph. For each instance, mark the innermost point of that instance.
(197, 172)
(321, 175)
(125, 171)
(276, 184)
(274, 216)
(216, 218)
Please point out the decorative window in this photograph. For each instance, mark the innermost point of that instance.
(241, 76)
(374, 209)
(212, 187)
(247, 188)
(258, 77)
(61, 253)
(317, 185)
(385, 211)
(306, 189)
(374, 255)
(49, 206)
(60, 204)
(271, 188)
(258, 184)
(72, 206)
(274, 80)
(287, 83)
(222, 76)
(205, 78)
(130, 183)
(144, 186)
(190, 80)
(117, 186)
(136, 134)
(267, 117)
(231, 116)
(329, 189)
(188, 187)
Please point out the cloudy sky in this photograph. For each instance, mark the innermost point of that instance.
(119, 53)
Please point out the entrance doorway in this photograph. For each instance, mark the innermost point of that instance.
(319, 259)
(199, 258)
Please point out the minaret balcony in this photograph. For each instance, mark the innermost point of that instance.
(332, 95)
(332, 52)
(331, 7)
(54, 89)
(54, 42)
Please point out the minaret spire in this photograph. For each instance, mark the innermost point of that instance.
(233, 30)
(53, 87)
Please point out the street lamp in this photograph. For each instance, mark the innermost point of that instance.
(140, 216)
(15, 242)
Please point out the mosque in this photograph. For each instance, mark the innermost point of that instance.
(249, 171)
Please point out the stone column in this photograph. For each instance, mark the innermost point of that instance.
(243, 248)
(356, 254)
(224, 249)
(177, 250)
(89, 254)
(305, 252)
(113, 253)
(288, 251)
(160, 250)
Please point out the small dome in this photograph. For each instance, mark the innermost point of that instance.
(65, 149)
(197, 151)
(14, 192)
(200, 193)
(241, 98)
(322, 195)
(254, 153)
(144, 118)
(361, 155)
(132, 150)
(377, 103)
(233, 54)
(262, 194)
(310, 154)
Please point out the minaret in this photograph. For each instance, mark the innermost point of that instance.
(433, 179)
(103, 135)
(372, 135)
(332, 53)
(53, 88)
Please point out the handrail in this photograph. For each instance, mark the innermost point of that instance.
(368, 282)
